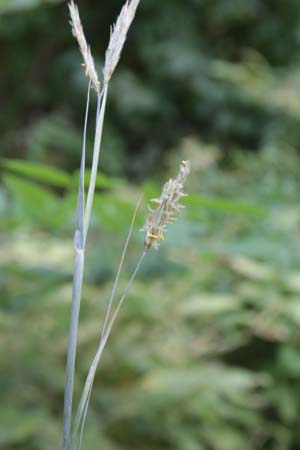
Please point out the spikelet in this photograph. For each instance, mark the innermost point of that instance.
(118, 37)
(77, 31)
(167, 208)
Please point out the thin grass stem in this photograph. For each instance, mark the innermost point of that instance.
(76, 292)
(84, 401)
(80, 420)
(113, 292)
(96, 154)
(84, 413)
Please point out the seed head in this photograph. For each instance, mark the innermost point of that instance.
(77, 31)
(118, 37)
(168, 207)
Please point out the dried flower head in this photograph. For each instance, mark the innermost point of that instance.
(167, 208)
(118, 36)
(77, 31)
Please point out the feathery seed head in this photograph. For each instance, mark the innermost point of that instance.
(77, 31)
(167, 208)
(118, 36)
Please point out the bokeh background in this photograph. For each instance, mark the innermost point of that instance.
(206, 352)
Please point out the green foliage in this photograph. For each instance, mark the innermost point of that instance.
(228, 74)
(204, 354)
(18, 5)
(38, 172)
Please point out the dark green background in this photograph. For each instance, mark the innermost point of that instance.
(205, 354)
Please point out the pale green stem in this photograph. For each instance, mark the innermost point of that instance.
(84, 413)
(76, 293)
(84, 401)
(96, 154)
(113, 292)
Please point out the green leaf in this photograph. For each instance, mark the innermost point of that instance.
(251, 269)
(224, 205)
(102, 181)
(19, 5)
(113, 212)
(38, 172)
(209, 305)
(150, 190)
(17, 426)
(30, 202)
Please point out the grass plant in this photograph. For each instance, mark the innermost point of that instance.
(157, 220)
(84, 210)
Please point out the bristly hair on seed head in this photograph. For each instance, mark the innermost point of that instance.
(77, 31)
(167, 208)
(118, 36)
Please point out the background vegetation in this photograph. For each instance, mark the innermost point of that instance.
(205, 354)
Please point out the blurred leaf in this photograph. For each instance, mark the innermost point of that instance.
(292, 281)
(102, 181)
(17, 426)
(250, 268)
(223, 205)
(31, 202)
(114, 213)
(289, 360)
(38, 172)
(209, 305)
(18, 5)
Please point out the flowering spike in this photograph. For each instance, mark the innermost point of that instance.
(118, 36)
(88, 61)
(167, 206)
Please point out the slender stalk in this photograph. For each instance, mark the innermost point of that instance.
(121, 301)
(86, 407)
(96, 154)
(84, 211)
(100, 96)
(113, 292)
(83, 220)
(76, 293)
(84, 413)
(72, 342)
(84, 401)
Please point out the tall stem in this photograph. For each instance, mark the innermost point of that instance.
(113, 292)
(96, 154)
(72, 343)
(84, 401)
(76, 293)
